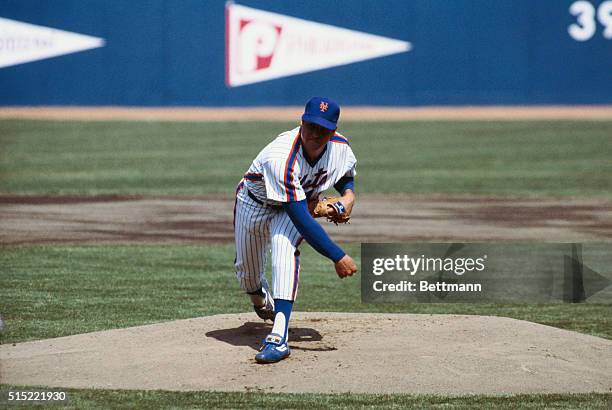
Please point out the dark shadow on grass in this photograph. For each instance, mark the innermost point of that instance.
(251, 334)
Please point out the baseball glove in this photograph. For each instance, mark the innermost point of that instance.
(332, 209)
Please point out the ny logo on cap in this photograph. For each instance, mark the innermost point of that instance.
(323, 106)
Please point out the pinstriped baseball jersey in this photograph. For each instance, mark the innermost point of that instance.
(282, 173)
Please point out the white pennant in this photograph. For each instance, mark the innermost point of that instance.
(22, 42)
(263, 46)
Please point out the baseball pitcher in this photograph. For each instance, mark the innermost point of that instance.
(276, 203)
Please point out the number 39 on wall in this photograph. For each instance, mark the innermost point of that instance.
(585, 26)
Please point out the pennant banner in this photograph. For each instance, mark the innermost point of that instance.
(262, 46)
(23, 42)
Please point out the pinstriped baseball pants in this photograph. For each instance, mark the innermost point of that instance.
(261, 231)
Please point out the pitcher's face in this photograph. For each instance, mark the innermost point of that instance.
(314, 137)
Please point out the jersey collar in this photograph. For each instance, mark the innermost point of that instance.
(312, 163)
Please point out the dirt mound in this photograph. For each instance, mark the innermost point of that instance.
(131, 219)
(331, 352)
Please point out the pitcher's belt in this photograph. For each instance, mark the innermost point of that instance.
(254, 198)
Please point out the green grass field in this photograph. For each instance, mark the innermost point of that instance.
(561, 158)
(57, 291)
(122, 399)
(50, 291)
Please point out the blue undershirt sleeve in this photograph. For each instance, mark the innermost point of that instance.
(312, 231)
(345, 183)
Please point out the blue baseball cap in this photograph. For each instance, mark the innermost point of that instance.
(322, 111)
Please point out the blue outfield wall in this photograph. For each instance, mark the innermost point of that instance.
(172, 52)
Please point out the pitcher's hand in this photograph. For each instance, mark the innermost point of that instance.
(345, 267)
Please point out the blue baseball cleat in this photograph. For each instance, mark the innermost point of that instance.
(274, 349)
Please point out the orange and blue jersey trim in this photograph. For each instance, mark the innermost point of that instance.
(337, 138)
(296, 272)
(289, 186)
(238, 188)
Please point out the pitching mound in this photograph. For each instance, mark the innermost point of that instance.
(331, 352)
